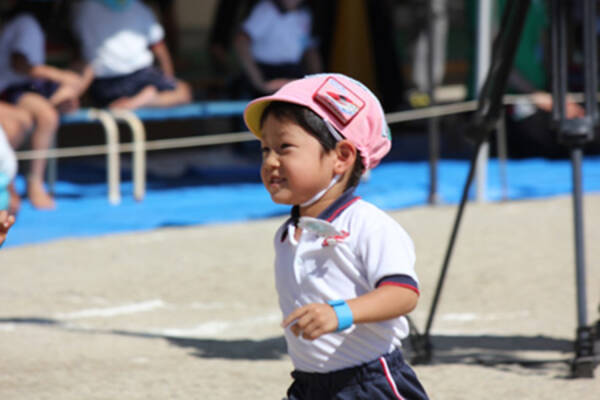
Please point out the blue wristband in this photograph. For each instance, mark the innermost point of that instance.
(343, 312)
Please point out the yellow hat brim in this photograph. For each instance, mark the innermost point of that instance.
(253, 115)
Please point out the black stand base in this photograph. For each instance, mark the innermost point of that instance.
(420, 343)
(587, 351)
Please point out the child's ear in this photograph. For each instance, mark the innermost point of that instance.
(345, 157)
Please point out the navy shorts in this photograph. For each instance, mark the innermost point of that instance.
(286, 71)
(245, 90)
(103, 91)
(43, 87)
(388, 377)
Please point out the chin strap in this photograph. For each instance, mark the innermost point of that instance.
(338, 138)
(317, 196)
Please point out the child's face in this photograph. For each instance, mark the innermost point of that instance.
(294, 166)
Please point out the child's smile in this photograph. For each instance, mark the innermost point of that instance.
(294, 166)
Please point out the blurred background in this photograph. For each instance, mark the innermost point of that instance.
(383, 43)
(375, 42)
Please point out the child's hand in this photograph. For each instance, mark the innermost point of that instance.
(65, 99)
(73, 80)
(6, 221)
(312, 320)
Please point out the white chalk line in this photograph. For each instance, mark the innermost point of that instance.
(139, 307)
(455, 319)
(211, 328)
(204, 329)
(7, 327)
(468, 317)
(108, 312)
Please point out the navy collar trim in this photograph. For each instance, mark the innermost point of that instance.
(339, 205)
(329, 214)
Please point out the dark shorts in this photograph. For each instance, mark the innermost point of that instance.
(388, 377)
(243, 89)
(287, 71)
(43, 87)
(103, 91)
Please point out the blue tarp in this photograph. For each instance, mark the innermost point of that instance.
(235, 194)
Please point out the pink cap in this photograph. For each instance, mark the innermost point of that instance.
(344, 103)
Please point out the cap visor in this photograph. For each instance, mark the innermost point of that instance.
(253, 115)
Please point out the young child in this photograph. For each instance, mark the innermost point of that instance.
(42, 90)
(344, 270)
(120, 40)
(8, 170)
(275, 45)
(16, 122)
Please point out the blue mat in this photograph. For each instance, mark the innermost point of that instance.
(235, 194)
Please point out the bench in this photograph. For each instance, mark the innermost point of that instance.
(135, 121)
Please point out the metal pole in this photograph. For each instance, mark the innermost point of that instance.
(433, 123)
(576, 156)
(52, 170)
(502, 154)
(484, 35)
(591, 64)
(559, 60)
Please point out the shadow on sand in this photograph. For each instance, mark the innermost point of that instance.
(502, 352)
(484, 350)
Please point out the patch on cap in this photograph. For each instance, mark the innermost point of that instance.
(339, 100)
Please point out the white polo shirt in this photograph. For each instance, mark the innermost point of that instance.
(8, 160)
(8, 169)
(368, 247)
(277, 37)
(116, 42)
(23, 35)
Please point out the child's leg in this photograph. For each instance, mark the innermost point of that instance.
(151, 97)
(17, 122)
(182, 94)
(145, 98)
(65, 99)
(46, 124)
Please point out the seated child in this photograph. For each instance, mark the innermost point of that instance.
(275, 45)
(344, 269)
(120, 41)
(8, 170)
(43, 91)
(16, 122)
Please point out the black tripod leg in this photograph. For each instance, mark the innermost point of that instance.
(485, 121)
(574, 133)
(421, 344)
(584, 362)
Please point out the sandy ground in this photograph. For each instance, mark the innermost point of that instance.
(191, 313)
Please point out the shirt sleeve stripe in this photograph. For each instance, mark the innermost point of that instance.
(399, 280)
